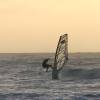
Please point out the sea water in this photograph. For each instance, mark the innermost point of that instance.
(23, 78)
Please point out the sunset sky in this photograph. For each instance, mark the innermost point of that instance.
(35, 25)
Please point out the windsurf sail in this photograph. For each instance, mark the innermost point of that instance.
(61, 55)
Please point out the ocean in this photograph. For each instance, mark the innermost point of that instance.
(23, 78)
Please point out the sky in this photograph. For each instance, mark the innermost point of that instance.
(28, 26)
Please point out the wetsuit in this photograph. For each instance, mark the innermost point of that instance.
(45, 64)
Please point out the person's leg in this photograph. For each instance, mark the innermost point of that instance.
(47, 69)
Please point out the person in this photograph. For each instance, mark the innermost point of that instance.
(45, 64)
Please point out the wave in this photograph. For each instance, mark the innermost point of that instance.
(81, 73)
(21, 96)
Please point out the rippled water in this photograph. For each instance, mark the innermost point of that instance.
(22, 78)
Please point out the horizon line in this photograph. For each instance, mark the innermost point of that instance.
(43, 52)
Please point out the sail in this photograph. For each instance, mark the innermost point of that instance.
(61, 54)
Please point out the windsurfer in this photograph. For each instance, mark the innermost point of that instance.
(45, 64)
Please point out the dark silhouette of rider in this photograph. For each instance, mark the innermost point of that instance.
(45, 64)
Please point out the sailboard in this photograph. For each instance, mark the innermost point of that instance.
(61, 55)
